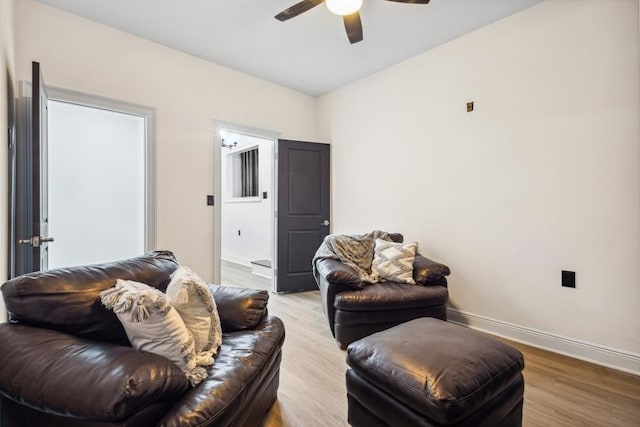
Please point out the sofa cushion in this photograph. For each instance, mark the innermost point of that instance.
(441, 370)
(74, 377)
(390, 296)
(153, 325)
(68, 299)
(191, 298)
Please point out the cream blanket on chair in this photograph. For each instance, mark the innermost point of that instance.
(354, 250)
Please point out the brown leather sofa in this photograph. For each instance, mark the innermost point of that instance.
(66, 360)
(354, 313)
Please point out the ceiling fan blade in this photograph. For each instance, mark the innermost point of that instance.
(297, 9)
(411, 1)
(353, 25)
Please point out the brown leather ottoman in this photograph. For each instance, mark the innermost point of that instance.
(428, 372)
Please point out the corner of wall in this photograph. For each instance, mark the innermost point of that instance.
(323, 130)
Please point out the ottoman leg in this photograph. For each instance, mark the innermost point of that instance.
(514, 418)
(359, 416)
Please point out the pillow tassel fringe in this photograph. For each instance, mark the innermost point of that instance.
(197, 375)
(204, 359)
(123, 305)
(214, 341)
(140, 312)
(205, 296)
(163, 304)
(110, 297)
(212, 347)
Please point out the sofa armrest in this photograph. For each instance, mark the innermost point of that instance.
(426, 270)
(239, 308)
(240, 382)
(334, 271)
(334, 277)
(64, 375)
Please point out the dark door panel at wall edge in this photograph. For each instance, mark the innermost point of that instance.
(11, 168)
(303, 211)
(31, 207)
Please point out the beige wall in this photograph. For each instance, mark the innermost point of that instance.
(543, 176)
(6, 73)
(188, 94)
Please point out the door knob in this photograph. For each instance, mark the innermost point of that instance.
(35, 241)
(325, 222)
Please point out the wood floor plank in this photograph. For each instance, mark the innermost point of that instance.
(559, 391)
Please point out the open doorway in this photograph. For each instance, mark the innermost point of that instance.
(246, 207)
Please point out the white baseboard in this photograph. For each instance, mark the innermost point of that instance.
(261, 271)
(598, 354)
(237, 260)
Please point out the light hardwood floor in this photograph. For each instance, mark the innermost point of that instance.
(559, 391)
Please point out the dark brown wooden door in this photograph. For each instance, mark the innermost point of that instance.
(32, 217)
(303, 211)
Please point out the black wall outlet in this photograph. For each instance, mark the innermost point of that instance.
(568, 279)
(209, 200)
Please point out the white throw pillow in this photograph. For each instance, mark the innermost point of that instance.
(153, 325)
(190, 296)
(394, 261)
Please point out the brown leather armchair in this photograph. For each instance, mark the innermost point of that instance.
(66, 360)
(356, 312)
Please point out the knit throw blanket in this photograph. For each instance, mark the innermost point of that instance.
(355, 250)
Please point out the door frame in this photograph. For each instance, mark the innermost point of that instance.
(218, 127)
(110, 104)
(149, 116)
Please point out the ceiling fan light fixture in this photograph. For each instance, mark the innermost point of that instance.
(344, 7)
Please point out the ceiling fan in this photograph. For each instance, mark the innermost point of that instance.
(348, 9)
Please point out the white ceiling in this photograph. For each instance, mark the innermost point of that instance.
(309, 53)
